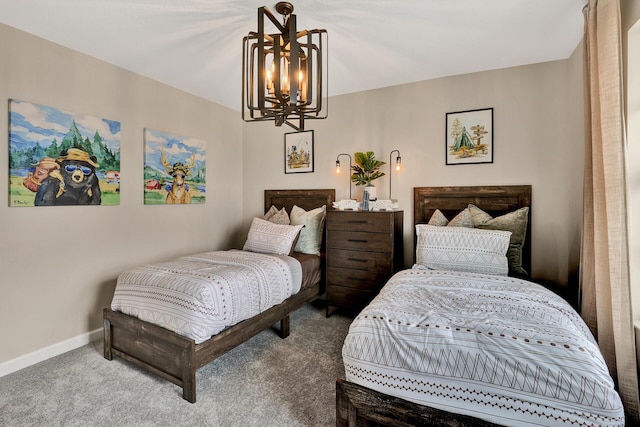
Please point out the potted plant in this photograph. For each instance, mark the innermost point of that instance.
(365, 170)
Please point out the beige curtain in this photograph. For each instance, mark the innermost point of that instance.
(604, 278)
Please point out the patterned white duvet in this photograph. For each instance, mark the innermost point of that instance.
(200, 295)
(496, 348)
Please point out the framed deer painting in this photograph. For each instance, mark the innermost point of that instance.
(174, 169)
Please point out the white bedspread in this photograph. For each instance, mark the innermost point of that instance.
(200, 295)
(496, 348)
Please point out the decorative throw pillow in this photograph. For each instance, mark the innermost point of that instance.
(515, 222)
(463, 219)
(271, 212)
(269, 238)
(310, 238)
(462, 249)
(438, 219)
(277, 216)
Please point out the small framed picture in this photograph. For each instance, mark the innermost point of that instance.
(298, 152)
(469, 137)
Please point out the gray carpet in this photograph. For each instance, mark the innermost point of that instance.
(267, 381)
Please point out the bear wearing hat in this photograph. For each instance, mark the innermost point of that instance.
(75, 183)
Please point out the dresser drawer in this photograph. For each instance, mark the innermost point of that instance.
(379, 262)
(350, 297)
(363, 250)
(370, 222)
(358, 240)
(350, 278)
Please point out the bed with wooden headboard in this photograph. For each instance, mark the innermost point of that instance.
(495, 200)
(476, 349)
(175, 357)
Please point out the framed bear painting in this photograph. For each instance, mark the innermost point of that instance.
(58, 158)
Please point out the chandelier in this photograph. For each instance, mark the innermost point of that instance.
(284, 71)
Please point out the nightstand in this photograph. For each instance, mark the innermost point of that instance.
(363, 250)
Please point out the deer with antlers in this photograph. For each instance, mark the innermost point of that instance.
(179, 194)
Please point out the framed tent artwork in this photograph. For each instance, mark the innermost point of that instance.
(469, 137)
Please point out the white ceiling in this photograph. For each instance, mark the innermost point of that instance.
(196, 45)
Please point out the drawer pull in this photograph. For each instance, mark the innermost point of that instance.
(357, 240)
(357, 260)
(357, 222)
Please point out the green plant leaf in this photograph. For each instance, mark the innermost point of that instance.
(366, 168)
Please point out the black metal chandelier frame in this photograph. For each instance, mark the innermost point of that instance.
(295, 88)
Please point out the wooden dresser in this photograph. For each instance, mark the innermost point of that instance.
(363, 250)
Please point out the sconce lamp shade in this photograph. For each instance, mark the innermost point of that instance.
(284, 73)
(339, 171)
(398, 163)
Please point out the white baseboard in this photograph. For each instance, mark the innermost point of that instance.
(49, 352)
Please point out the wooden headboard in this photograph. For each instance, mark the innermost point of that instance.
(495, 200)
(306, 199)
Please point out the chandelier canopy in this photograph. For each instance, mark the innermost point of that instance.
(284, 71)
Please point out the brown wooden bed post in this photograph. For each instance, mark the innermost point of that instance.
(107, 340)
(189, 374)
(285, 326)
(343, 408)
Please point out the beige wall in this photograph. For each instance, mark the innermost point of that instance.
(58, 265)
(539, 140)
(54, 287)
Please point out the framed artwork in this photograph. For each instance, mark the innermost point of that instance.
(298, 152)
(469, 137)
(61, 158)
(174, 169)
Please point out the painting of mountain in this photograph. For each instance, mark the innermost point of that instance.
(62, 158)
(174, 169)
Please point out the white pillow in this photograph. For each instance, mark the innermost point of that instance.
(269, 238)
(462, 249)
(310, 238)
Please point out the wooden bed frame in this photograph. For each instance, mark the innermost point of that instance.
(360, 406)
(177, 358)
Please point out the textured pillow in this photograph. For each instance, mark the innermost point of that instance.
(277, 216)
(515, 222)
(271, 212)
(478, 215)
(311, 235)
(269, 238)
(463, 219)
(462, 249)
(438, 219)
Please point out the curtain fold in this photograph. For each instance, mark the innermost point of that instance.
(604, 265)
